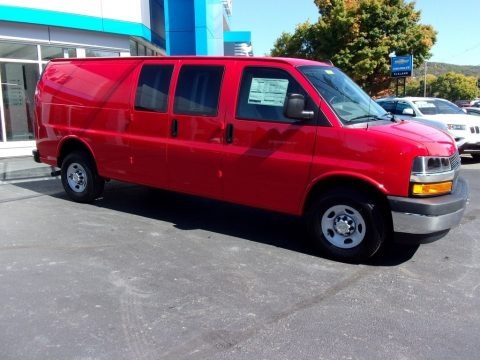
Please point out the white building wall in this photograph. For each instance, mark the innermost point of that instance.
(137, 11)
(35, 29)
(72, 37)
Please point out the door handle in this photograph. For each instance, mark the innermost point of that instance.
(229, 134)
(174, 129)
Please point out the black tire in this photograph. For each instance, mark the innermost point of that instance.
(80, 178)
(475, 156)
(348, 225)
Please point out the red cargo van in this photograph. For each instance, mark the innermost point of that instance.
(288, 135)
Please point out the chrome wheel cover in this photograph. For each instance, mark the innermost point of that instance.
(343, 226)
(77, 177)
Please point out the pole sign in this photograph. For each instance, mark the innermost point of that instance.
(402, 66)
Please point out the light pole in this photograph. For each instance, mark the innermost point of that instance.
(425, 80)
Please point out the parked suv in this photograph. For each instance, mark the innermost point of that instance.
(472, 110)
(464, 128)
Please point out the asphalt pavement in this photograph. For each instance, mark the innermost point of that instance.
(143, 274)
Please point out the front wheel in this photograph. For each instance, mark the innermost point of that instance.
(80, 178)
(348, 225)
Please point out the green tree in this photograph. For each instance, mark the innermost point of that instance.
(453, 86)
(358, 36)
(415, 85)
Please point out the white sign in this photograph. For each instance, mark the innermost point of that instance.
(268, 91)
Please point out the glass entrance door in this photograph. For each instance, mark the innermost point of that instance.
(18, 88)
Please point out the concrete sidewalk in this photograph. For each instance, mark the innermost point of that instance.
(17, 169)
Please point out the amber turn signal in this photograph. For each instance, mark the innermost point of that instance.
(432, 188)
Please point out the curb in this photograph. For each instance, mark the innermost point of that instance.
(22, 169)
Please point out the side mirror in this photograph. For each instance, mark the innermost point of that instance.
(408, 111)
(295, 108)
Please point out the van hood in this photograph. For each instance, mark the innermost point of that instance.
(434, 140)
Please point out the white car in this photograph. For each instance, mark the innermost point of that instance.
(463, 127)
(472, 110)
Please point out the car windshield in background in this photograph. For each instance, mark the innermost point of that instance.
(437, 107)
(347, 99)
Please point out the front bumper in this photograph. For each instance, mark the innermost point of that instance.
(429, 216)
(471, 147)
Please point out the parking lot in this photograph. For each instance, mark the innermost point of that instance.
(144, 274)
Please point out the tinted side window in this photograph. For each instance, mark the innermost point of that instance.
(263, 93)
(152, 88)
(387, 105)
(198, 90)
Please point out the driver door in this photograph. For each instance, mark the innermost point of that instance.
(267, 156)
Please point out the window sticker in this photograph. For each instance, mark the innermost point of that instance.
(268, 91)
(330, 72)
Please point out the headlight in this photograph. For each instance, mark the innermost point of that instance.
(431, 176)
(431, 164)
(456, 127)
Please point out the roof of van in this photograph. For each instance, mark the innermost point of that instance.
(291, 61)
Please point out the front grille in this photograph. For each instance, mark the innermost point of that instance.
(455, 161)
(475, 130)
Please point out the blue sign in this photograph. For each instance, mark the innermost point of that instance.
(402, 66)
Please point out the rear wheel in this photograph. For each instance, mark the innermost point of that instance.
(80, 178)
(348, 225)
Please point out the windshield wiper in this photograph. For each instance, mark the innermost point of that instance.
(366, 116)
(390, 116)
(385, 116)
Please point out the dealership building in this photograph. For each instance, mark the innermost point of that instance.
(34, 31)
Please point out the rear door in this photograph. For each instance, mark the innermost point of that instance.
(268, 156)
(149, 124)
(197, 128)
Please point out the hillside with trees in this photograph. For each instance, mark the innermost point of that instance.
(437, 69)
(451, 86)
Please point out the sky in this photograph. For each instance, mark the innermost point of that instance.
(456, 22)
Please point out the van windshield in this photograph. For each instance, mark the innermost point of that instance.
(351, 104)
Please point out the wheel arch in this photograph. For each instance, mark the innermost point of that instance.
(71, 144)
(342, 180)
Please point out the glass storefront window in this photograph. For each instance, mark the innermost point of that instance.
(18, 88)
(72, 52)
(133, 48)
(52, 52)
(101, 53)
(18, 51)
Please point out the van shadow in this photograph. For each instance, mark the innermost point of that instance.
(187, 212)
